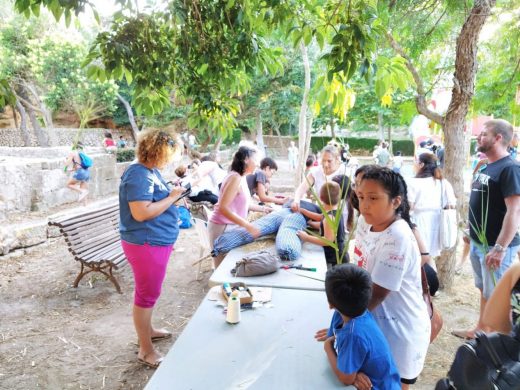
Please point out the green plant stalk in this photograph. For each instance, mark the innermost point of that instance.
(332, 221)
(480, 232)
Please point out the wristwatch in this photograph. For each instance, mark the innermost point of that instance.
(499, 248)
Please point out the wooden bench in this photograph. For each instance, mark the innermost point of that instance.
(93, 239)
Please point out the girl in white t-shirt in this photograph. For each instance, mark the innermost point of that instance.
(386, 247)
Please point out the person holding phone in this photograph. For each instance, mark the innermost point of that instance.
(149, 228)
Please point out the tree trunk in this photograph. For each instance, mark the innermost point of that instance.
(304, 138)
(455, 119)
(206, 142)
(46, 114)
(15, 116)
(130, 113)
(332, 130)
(259, 136)
(216, 147)
(389, 138)
(276, 129)
(380, 125)
(41, 136)
(26, 135)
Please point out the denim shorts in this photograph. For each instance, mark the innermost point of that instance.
(81, 174)
(483, 278)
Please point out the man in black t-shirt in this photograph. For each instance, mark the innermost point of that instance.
(258, 182)
(494, 215)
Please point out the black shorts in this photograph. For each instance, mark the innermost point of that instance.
(408, 381)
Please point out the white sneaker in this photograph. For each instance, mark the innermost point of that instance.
(83, 195)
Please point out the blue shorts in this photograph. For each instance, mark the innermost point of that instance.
(483, 278)
(81, 174)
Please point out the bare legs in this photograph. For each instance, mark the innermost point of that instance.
(145, 332)
(81, 187)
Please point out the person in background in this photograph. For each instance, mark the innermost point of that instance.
(149, 228)
(330, 167)
(234, 200)
(356, 348)
(121, 144)
(383, 155)
(495, 194)
(428, 194)
(198, 192)
(109, 144)
(259, 182)
(397, 162)
(513, 147)
(80, 176)
(292, 155)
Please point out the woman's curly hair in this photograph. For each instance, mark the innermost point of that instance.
(157, 147)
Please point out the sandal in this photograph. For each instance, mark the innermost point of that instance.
(147, 363)
(463, 334)
(164, 334)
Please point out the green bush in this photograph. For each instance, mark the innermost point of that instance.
(124, 155)
(364, 145)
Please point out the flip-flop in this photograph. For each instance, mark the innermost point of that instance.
(164, 335)
(463, 334)
(148, 364)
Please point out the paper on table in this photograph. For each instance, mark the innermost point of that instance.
(260, 294)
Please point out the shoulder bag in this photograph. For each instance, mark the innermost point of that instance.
(435, 315)
(448, 225)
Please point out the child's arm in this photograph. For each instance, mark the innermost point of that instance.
(311, 215)
(333, 361)
(306, 237)
(378, 295)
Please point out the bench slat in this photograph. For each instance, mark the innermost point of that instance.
(99, 219)
(68, 220)
(91, 239)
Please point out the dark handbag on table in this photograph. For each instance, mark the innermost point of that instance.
(489, 362)
(435, 315)
(256, 264)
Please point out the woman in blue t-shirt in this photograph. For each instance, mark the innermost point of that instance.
(149, 228)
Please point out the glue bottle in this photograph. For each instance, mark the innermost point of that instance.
(233, 308)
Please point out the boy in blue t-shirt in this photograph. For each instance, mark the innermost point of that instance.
(356, 348)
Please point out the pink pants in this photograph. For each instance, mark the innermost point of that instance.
(149, 267)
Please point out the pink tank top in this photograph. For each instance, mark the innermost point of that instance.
(239, 205)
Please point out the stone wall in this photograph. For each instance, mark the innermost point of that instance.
(32, 179)
(64, 136)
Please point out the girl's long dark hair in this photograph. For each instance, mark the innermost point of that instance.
(239, 159)
(430, 167)
(395, 186)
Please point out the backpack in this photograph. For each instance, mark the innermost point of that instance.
(489, 362)
(184, 217)
(85, 161)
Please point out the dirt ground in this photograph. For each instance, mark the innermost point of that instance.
(53, 336)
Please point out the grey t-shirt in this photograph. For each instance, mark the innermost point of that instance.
(255, 178)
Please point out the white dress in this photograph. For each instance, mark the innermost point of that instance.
(425, 194)
(393, 260)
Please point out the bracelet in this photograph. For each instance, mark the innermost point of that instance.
(425, 253)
